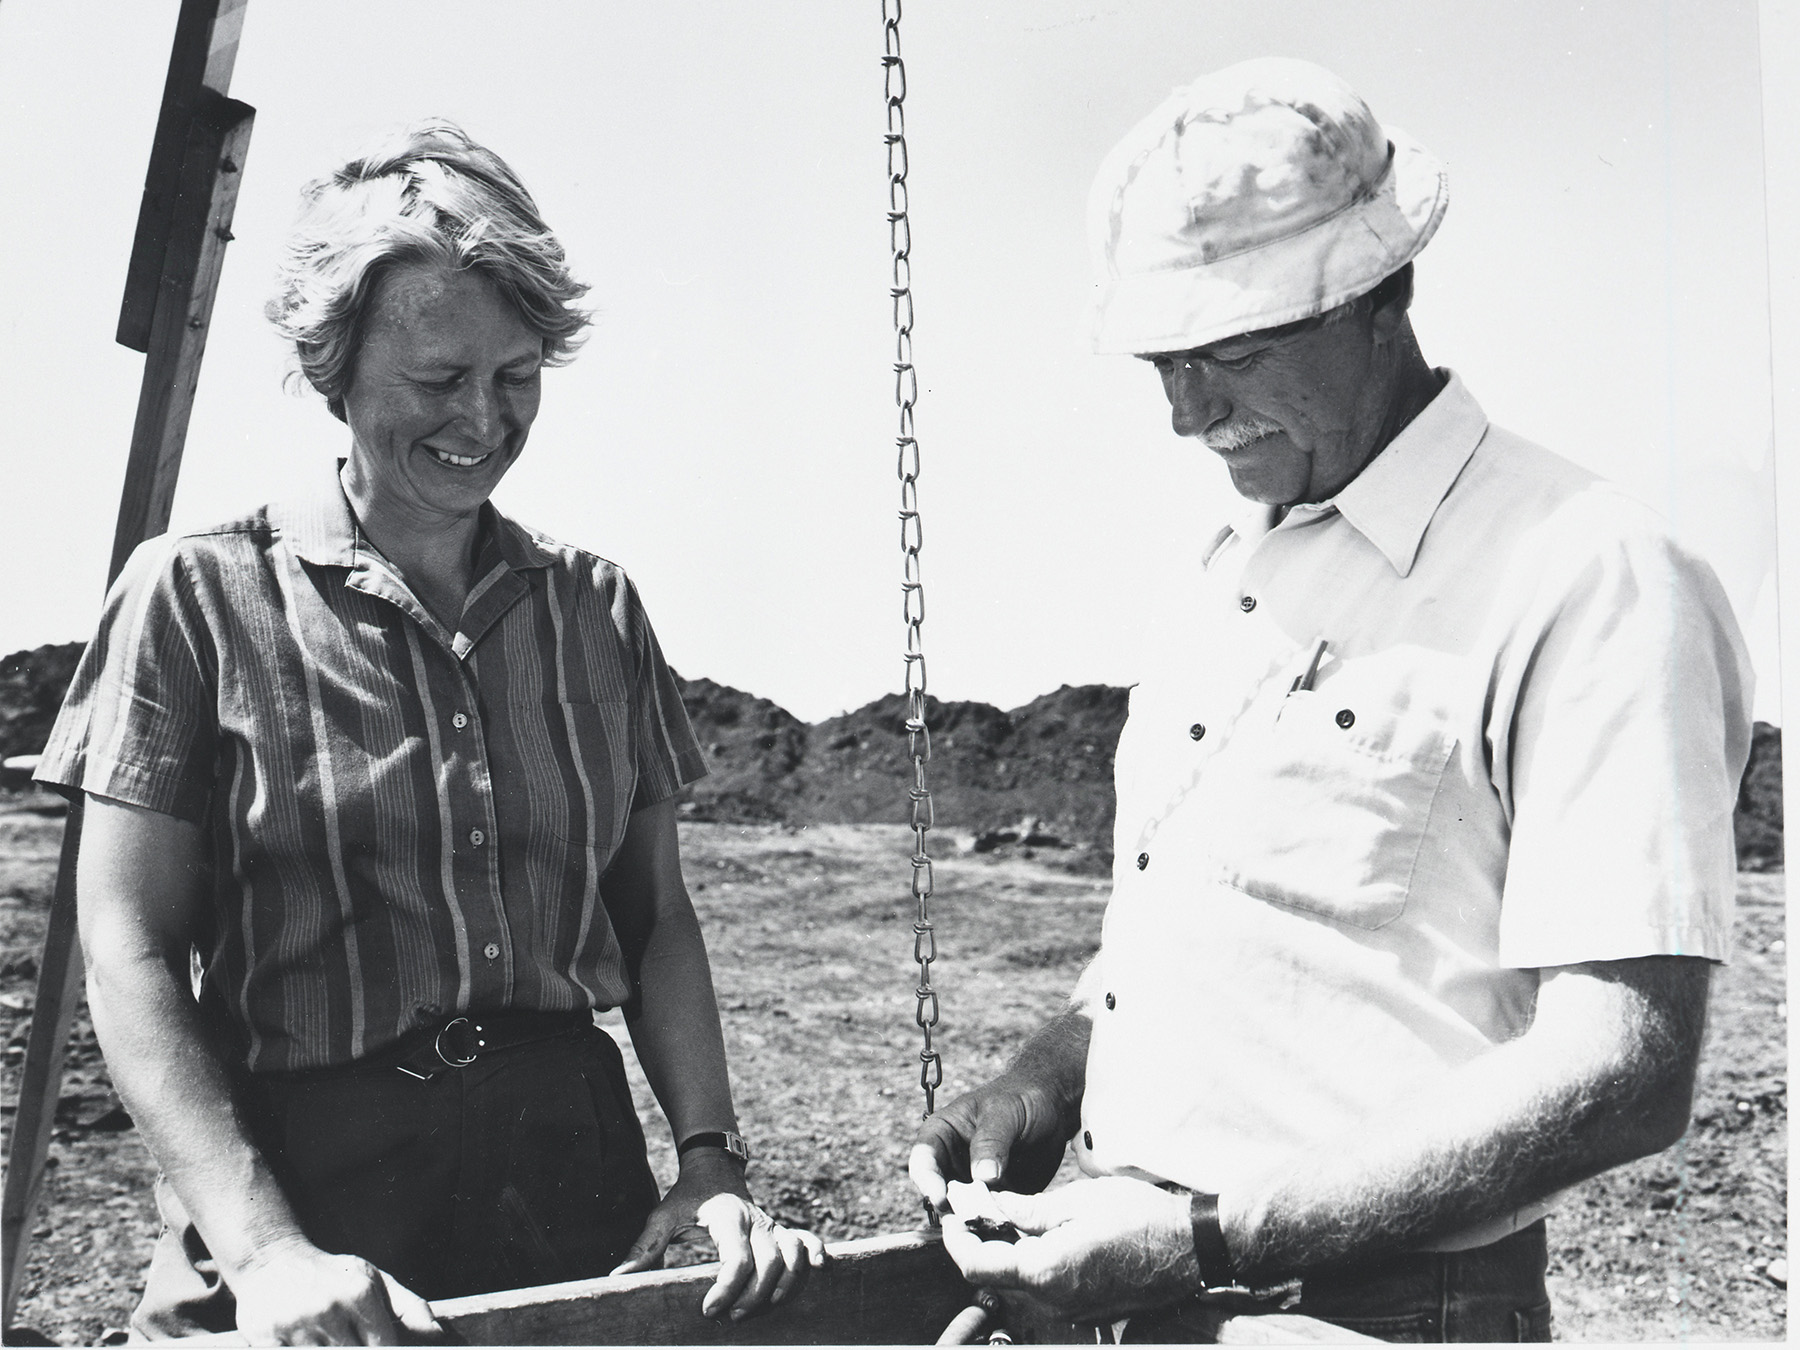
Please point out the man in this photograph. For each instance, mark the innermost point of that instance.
(1424, 826)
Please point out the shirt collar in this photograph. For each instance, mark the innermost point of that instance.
(1249, 521)
(322, 529)
(1392, 501)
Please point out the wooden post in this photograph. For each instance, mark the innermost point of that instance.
(205, 50)
(218, 138)
(183, 227)
(58, 991)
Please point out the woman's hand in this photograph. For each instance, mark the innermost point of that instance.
(301, 1295)
(761, 1263)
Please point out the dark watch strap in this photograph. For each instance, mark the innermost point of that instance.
(1209, 1242)
(731, 1142)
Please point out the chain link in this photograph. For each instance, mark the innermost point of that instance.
(912, 587)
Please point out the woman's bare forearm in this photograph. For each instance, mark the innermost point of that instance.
(171, 1079)
(674, 1018)
(676, 1032)
(139, 900)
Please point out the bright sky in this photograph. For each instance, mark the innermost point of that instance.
(716, 172)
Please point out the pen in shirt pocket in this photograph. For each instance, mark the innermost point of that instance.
(1306, 681)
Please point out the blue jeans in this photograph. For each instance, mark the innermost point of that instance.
(1491, 1293)
(526, 1168)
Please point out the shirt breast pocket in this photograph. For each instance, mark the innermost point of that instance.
(1324, 810)
(590, 759)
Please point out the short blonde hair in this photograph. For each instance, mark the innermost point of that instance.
(428, 194)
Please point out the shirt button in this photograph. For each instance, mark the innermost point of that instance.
(1087, 1139)
(1346, 719)
(491, 951)
(459, 720)
(1247, 604)
(1111, 1002)
(1143, 861)
(1196, 731)
(477, 838)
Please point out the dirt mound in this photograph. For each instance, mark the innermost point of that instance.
(1040, 775)
(1037, 776)
(754, 748)
(31, 690)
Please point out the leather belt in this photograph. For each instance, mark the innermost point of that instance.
(461, 1041)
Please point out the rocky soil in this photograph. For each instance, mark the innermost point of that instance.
(810, 931)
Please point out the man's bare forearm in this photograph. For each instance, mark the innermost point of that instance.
(1605, 1075)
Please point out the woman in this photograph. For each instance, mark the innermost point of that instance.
(402, 771)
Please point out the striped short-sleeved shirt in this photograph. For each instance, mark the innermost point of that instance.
(405, 823)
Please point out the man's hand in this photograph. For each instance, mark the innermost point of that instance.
(303, 1296)
(1002, 1133)
(1092, 1250)
(1010, 1131)
(760, 1262)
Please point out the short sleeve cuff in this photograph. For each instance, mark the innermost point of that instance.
(133, 784)
(1712, 941)
(661, 779)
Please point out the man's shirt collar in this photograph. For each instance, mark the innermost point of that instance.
(1392, 501)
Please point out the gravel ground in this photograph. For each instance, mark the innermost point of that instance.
(810, 931)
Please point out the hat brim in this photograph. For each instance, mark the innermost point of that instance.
(1346, 255)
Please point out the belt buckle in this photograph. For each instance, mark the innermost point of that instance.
(448, 1059)
(453, 1061)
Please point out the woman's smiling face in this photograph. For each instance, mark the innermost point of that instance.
(445, 389)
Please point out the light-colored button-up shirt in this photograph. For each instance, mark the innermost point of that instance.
(1475, 716)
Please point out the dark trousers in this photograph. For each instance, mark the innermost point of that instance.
(525, 1168)
(1491, 1293)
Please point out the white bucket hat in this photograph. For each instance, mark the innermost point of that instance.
(1257, 195)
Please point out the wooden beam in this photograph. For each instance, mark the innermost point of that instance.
(202, 200)
(204, 52)
(895, 1290)
(885, 1290)
(205, 200)
(58, 991)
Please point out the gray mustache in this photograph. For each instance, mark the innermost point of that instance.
(1236, 435)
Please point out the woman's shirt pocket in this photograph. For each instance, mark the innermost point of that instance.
(1322, 806)
(569, 769)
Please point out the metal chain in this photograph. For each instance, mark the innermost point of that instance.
(912, 589)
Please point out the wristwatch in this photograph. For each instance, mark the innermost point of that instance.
(1209, 1242)
(728, 1140)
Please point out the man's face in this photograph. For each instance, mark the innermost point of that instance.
(1295, 411)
